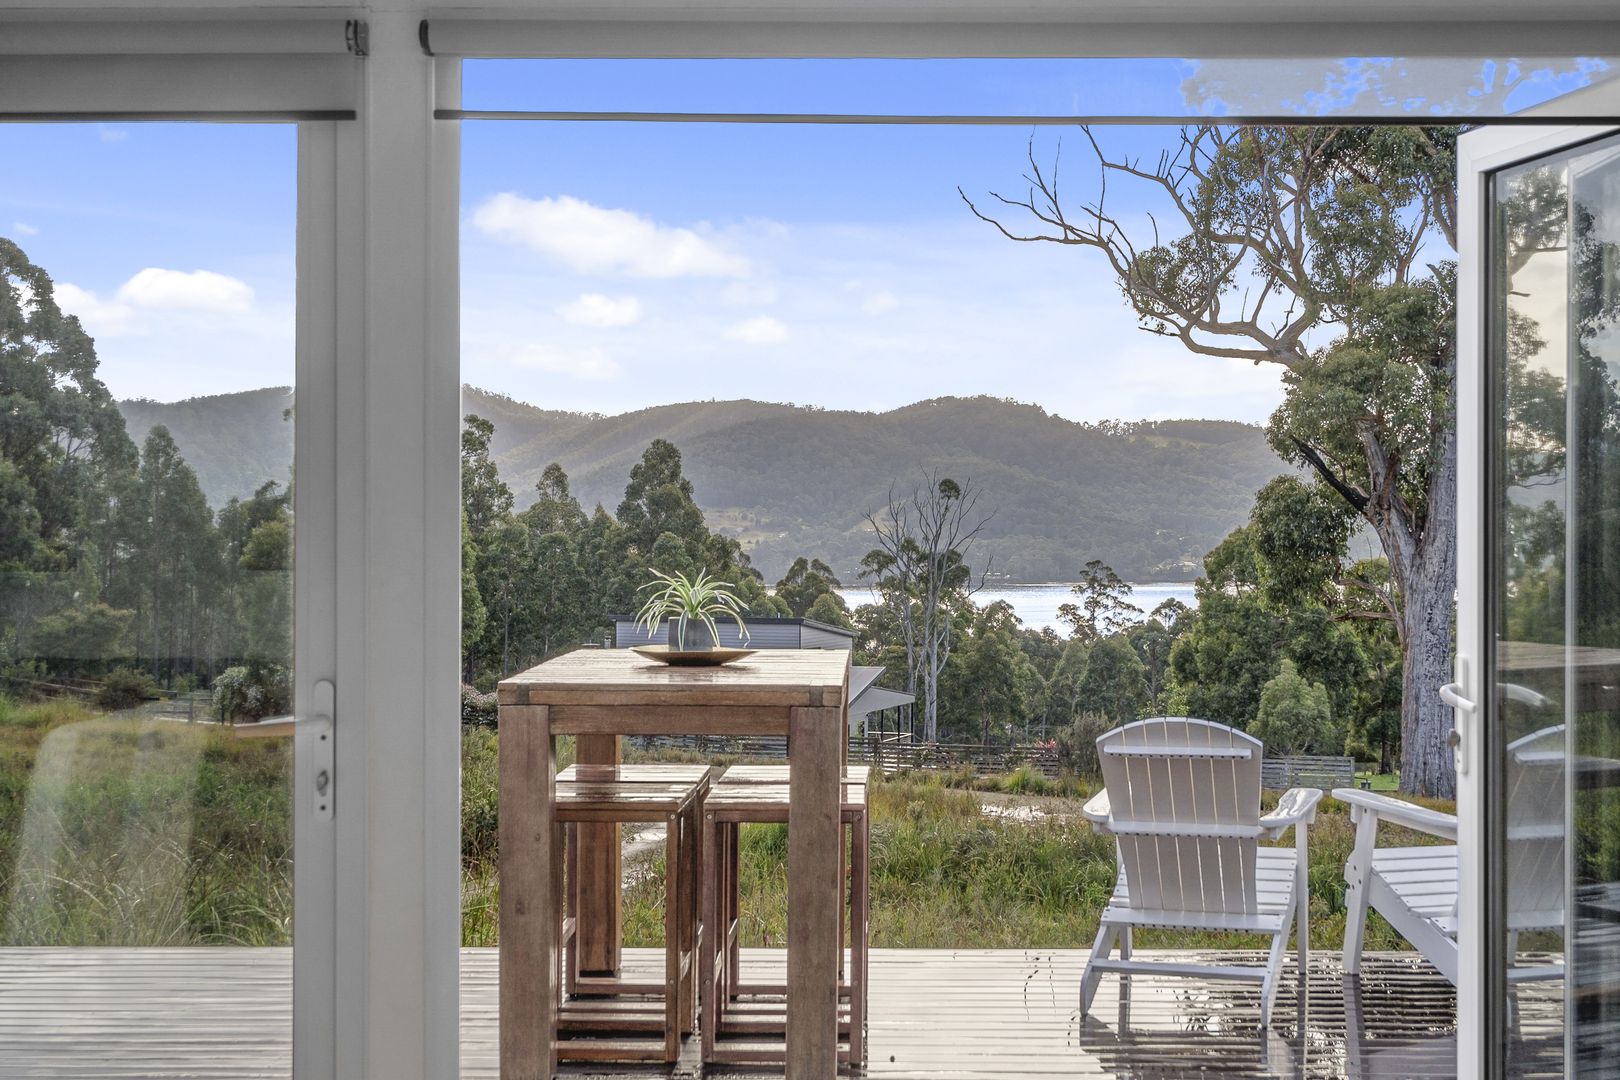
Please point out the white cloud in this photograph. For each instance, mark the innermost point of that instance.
(581, 363)
(111, 134)
(879, 302)
(598, 240)
(594, 309)
(22, 228)
(760, 330)
(98, 315)
(748, 293)
(198, 290)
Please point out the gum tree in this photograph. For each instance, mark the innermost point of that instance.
(1324, 250)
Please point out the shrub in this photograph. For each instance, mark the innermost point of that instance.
(124, 688)
(477, 709)
(252, 693)
(1295, 715)
(1077, 745)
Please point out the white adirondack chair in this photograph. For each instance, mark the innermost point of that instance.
(1415, 888)
(1182, 799)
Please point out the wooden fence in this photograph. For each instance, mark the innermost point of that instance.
(889, 753)
(1281, 773)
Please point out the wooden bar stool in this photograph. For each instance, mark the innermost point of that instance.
(622, 1019)
(743, 1023)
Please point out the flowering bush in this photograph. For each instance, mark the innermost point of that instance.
(252, 693)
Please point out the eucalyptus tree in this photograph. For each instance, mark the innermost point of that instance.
(1324, 250)
(64, 453)
(921, 571)
(991, 683)
(806, 582)
(1102, 608)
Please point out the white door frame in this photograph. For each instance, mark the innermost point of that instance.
(1480, 153)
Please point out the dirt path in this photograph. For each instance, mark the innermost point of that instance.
(1027, 807)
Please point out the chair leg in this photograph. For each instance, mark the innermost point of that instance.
(1268, 989)
(1125, 943)
(1302, 902)
(1107, 934)
(1356, 872)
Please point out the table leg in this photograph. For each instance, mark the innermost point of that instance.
(710, 936)
(597, 924)
(814, 892)
(530, 899)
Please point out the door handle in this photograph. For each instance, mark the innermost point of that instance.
(1463, 709)
(1451, 694)
(318, 728)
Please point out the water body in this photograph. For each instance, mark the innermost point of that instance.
(1037, 605)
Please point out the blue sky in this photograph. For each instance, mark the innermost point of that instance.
(607, 267)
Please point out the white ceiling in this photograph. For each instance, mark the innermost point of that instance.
(1262, 12)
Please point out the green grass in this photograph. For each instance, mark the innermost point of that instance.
(122, 829)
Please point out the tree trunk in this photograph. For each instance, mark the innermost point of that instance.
(1428, 583)
(1426, 652)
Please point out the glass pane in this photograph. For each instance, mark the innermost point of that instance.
(1420, 88)
(1528, 790)
(1594, 617)
(1557, 598)
(146, 363)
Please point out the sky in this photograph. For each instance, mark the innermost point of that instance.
(607, 267)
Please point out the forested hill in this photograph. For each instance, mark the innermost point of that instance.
(1149, 499)
(233, 442)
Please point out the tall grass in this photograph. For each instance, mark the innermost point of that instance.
(124, 829)
(946, 875)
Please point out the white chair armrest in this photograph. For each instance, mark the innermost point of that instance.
(1098, 810)
(1397, 812)
(1296, 807)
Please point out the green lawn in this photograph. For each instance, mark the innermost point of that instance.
(1387, 782)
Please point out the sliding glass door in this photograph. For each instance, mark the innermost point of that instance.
(1541, 609)
(155, 646)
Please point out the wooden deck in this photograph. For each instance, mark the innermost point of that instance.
(224, 1013)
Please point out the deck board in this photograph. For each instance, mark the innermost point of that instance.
(214, 1013)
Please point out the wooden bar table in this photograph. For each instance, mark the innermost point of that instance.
(800, 693)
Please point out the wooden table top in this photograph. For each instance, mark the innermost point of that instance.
(812, 678)
(771, 798)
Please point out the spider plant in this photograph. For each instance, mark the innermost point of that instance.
(692, 603)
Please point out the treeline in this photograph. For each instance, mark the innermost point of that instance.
(543, 580)
(112, 565)
(1291, 640)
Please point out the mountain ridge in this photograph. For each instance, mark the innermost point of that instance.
(1149, 498)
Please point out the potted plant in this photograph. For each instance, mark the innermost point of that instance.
(690, 606)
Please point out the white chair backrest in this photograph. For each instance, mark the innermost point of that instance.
(1536, 778)
(1184, 798)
